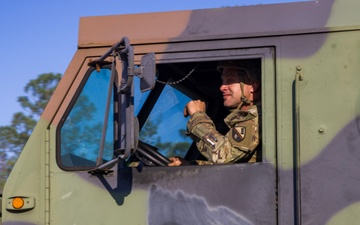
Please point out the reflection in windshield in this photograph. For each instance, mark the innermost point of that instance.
(165, 127)
(81, 131)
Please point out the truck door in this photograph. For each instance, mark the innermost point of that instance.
(135, 190)
(328, 132)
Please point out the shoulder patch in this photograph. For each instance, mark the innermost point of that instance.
(238, 133)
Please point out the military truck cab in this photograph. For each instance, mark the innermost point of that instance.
(99, 152)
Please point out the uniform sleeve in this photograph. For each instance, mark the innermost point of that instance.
(217, 148)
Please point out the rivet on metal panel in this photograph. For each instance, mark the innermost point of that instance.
(298, 73)
(322, 129)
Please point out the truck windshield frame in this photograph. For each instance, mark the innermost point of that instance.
(81, 127)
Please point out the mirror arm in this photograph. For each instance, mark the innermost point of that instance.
(146, 72)
(127, 55)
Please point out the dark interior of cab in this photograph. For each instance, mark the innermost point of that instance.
(197, 80)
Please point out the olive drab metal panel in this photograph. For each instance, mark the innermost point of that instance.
(328, 125)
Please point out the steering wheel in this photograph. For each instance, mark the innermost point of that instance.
(150, 156)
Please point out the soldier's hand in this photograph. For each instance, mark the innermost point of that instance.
(174, 161)
(178, 161)
(193, 107)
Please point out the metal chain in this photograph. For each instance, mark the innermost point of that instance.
(178, 81)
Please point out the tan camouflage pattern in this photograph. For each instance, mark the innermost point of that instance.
(237, 145)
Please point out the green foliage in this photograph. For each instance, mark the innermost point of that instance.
(14, 136)
(40, 91)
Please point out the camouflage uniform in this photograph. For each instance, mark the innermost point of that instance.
(237, 145)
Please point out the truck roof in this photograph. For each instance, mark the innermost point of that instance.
(227, 22)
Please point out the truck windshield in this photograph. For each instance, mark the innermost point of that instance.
(82, 128)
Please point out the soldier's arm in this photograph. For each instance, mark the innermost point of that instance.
(217, 148)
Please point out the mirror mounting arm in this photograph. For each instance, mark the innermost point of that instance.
(128, 122)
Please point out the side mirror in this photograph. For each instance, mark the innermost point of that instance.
(147, 72)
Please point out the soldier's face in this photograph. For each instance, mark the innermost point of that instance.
(231, 87)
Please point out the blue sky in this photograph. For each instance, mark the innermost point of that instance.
(41, 36)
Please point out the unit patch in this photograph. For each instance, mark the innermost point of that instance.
(238, 133)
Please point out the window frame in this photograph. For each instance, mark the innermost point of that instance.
(70, 107)
(268, 85)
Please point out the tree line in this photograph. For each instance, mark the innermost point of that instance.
(13, 137)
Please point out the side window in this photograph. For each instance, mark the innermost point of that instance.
(81, 129)
(165, 127)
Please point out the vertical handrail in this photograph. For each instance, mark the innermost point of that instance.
(298, 79)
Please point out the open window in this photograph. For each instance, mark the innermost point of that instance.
(162, 123)
(193, 75)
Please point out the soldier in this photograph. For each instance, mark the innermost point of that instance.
(241, 94)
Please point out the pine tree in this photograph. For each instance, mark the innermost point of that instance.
(14, 136)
